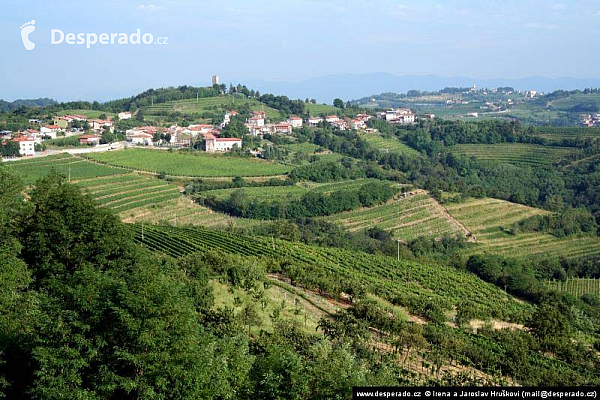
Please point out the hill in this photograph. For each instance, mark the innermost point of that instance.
(28, 103)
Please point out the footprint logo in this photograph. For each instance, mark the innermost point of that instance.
(26, 29)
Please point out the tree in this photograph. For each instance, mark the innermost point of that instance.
(338, 103)
(10, 149)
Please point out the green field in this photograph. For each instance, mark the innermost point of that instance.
(220, 104)
(404, 283)
(321, 109)
(89, 114)
(490, 221)
(127, 192)
(561, 133)
(390, 144)
(32, 169)
(576, 287)
(515, 153)
(407, 218)
(304, 147)
(196, 164)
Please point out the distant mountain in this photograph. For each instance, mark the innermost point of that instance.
(354, 86)
(8, 106)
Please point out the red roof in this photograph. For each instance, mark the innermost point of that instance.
(296, 118)
(52, 126)
(228, 139)
(22, 139)
(88, 137)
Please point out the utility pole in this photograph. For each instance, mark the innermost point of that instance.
(69, 173)
(142, 230)
(398, 249)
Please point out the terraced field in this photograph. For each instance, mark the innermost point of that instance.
(490, 221)
(408, 218)
(576, 287)
(193, 164)
(127, 192)
(182, 212)
(515, 153)
(76, 168)
(571, 132)
(391, 144)
(195, 108)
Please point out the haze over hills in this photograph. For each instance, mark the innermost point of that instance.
(353, 86)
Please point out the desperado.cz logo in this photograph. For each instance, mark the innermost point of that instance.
(57, 36)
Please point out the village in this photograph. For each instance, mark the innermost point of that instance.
(206, 137)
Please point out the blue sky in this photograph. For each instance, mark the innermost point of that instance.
(290, 40)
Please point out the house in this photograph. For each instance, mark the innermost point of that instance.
(428, 116)
(213, 144)
(314, 121)
(227, 117)
(295, 122)
(49, 130)
(100, 124)
(26, 145)
(397, 116)
(124, 115)
(75, 117)
(142, 138)
(284, 128)
(363, 117)
(89, 139)
(256, 121)
(340, 124)
(5, 134)
(357, 124)
(200, 129)
(332, 118)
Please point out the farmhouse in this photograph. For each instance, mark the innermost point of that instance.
(213, 144)
(26, 146)
(284, 128)
(295, 122)
(314, 121)
(89, 139)
(124, 115)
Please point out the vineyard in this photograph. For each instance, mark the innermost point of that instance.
(76, 168)
(183, 211)
(194, 164)
(220, 104)
(515, 153)
(405, 283)
(571, 132)
(408, 218)
(576, 287)
(127, 192)
(490, 221)
(390, 144)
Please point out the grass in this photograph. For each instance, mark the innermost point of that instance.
(318, 109)
(407, 218)
(220, 104)
(304, 147)
(261, 193)
(490, 221)
(391, 144)
(76, 168)
(556, 134)
(89, 114)
(515, 153)
(194, 164)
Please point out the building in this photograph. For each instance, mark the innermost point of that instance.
(100, 124)
(26, 145)
(397, 116)
(332, 118)
(227, 117)
(314, 121)
(142, 138)
(49, 130)
(89, 139)
(213, 144)
(215, 79)
(200, 129)
(256, 121)
(357, 124)
(74, 117)
(284, 128)
(363, 117)
(124, 115)
(295, 122)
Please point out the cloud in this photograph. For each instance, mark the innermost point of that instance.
(148, 7)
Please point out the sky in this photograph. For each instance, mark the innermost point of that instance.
(286, 40)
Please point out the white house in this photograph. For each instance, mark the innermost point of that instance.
(227, 117)
(200, 129)
(213, 144)
(26, 146)
(100, 124)
(284, 128)
(397, 116)
(256, 121)
(332, 118)
(49, 130)
(124, 115)
(295, 122)
(142, 138)
(357, 124)
(314, 121)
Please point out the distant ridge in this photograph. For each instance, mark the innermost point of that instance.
(41, 102)
(354, 86)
